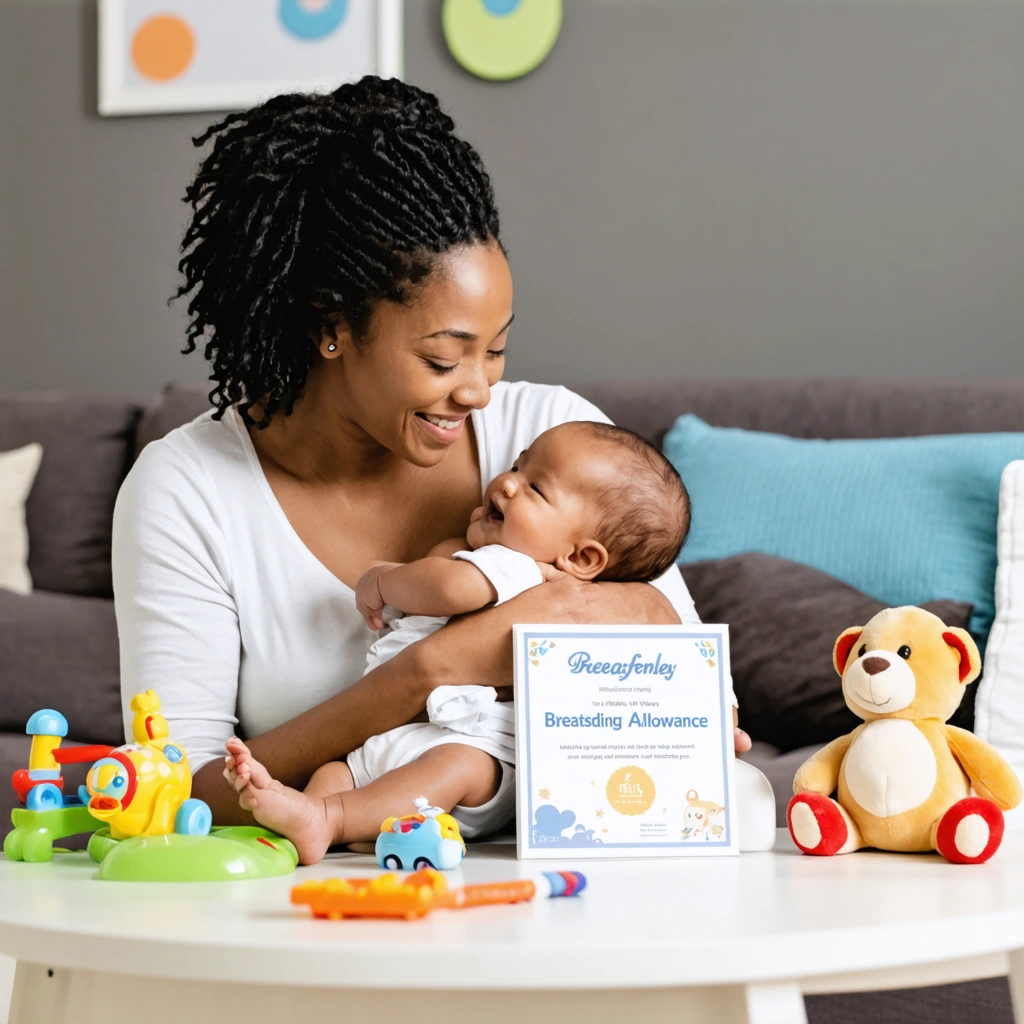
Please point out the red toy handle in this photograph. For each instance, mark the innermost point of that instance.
(79, 755)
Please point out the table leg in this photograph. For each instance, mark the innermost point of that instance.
(1017, 984)
(775, 1003)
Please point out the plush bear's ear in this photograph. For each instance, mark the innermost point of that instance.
(844, 644)
(970, 659)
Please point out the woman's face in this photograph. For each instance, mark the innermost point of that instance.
(412, 382)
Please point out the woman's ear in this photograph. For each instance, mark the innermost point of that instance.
(970, 659)
(335, 339)
(843, 646)
(586, 561)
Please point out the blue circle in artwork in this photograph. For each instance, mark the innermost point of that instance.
(501, 8)
(307, 24)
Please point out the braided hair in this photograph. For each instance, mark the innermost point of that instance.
(312, 206)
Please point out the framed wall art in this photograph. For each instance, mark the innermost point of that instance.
(179, 55)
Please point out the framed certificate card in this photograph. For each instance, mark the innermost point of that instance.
(624, 741)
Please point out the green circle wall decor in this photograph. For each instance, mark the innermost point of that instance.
(501, 39)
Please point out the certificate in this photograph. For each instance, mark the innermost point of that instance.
(624, 741)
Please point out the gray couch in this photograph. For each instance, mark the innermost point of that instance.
(58, 646)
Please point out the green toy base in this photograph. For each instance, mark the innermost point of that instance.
(34, 831)
(227, 854)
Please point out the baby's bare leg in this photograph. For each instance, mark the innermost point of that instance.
(333, 777)
(448, 775)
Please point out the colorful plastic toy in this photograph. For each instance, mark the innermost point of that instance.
(144, 788)
(47, 814)
(156, 832)
(425, 890)
(428, 839)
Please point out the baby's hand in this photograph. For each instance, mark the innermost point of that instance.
(549, 572)
(369, 603)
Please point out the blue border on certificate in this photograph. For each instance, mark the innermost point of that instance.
(706, 635)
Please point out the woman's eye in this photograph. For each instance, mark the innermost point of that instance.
(498, 353)
(439, 367)
(904, 652)
(863, 650)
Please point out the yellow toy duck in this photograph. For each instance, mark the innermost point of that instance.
(143, 788)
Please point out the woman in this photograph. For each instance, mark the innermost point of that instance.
(346, 274)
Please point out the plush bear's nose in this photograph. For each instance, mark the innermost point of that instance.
(874, 665)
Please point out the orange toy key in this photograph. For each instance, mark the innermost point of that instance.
(392, 896)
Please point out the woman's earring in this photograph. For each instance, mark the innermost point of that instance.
(331, 347)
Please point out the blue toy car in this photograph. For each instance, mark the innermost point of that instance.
(427, 839)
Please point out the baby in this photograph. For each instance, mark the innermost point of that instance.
(587, 500)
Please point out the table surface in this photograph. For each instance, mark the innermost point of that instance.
(730, 920)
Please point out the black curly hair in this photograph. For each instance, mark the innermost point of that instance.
(312, 206)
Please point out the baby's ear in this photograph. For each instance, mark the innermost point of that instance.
(586, 561)
(843, 646)
(970, 657)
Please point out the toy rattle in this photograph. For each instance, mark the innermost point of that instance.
(417, 894)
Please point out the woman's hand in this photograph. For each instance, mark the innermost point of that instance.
(740, 739)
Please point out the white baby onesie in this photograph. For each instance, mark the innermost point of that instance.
(471, 715)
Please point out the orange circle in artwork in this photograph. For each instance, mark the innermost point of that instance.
(162, 48)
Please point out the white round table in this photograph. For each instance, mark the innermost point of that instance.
(738, 938)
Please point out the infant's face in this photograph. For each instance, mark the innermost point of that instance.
(544, 505)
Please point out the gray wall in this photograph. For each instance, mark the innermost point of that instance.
(755, 188)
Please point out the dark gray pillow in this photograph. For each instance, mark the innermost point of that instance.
(60, 652)
(87, 446)
(783, 620)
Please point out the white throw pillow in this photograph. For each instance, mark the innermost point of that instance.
(999, 712)
(17, 473)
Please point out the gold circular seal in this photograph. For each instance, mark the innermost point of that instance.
(630, 790)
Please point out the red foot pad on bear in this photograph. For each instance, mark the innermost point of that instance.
(970, 831)
(816, 824)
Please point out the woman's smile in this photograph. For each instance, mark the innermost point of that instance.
(446, 429)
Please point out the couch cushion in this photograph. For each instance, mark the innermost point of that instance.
(817, 408)
(87, 443)
(18, 470)
(60, 652)
(783, 621)
(905, 520)
(176, 404)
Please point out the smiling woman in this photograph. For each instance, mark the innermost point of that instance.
(347, 282)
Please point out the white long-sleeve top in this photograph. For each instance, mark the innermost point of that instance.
(221, 608)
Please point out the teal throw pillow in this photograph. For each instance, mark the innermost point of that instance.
(905, 520)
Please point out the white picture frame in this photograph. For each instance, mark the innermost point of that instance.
(119, 96)
(624, 742)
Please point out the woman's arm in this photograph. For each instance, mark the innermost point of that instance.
(469, 649)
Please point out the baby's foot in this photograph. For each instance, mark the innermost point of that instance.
(302, 819)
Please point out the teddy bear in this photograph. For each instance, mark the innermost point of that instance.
(904, 777)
